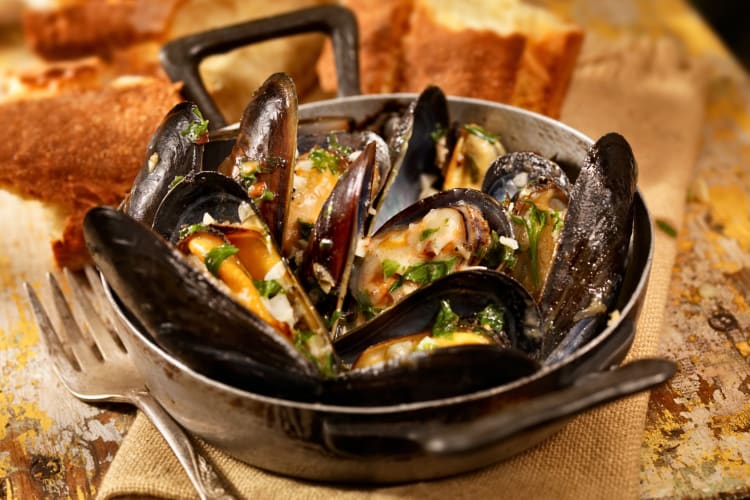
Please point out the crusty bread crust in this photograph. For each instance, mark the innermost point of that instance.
(465, 62)
(96, 26)
(528, 66)
(381, 25)
(77, 163)
(546, 71)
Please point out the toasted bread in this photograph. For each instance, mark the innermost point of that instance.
(500, 50)
(80, 148)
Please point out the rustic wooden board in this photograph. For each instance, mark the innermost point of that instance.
(51, 445)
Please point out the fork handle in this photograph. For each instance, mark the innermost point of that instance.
(206, 481)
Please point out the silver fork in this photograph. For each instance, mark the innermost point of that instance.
(95, 367)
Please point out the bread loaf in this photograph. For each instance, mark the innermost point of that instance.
(500, 50)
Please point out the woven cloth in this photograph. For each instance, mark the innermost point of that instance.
(640, 88)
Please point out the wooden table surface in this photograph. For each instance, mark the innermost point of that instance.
(697, 439)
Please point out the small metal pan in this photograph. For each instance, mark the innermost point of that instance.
(409, 441)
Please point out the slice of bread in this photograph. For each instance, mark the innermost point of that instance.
(500, 50)
(66, 29)
(83, 124)
(80, 148)
(382, 24)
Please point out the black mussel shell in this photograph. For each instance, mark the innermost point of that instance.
(429, 375)
(467, 292)
(413, 154)
(171, 154)
(328, 258)
(449, 371)
(589, 264)
(268, 135)
(196, 195)
(509, 173)
(187, 315)
(495, 213)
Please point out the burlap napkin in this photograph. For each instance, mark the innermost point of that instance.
(639, 88)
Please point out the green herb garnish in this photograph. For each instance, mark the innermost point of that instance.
(305, 228)
(323, 159)
(267, 288)
(177, 179)
(341, 149)
(438, 133)
(533, 222)
(424, 273)
(217, 255)
(267, 196)
(427, 233)
(390, 267)
(666, 227)
(491, 319)
(193, 228)
(365, 307)
(481, 133)
(197, 132)
(446, 322)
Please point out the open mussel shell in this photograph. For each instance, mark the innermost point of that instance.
(413, 154)
(468, 292)
(175, 150)
(447, 371)
(327, 260)
(589, 263)
(442, 373)
(263, 155)
(188, 315)
(508, 174)
(356, 142)
(193, 197)
(492, 211)
(441, 234)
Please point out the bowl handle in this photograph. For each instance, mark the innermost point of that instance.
(181, 57)
(453, 438)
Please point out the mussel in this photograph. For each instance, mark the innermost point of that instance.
(368, 290)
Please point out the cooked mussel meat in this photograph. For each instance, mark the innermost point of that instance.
(438, 235)
(209, 217)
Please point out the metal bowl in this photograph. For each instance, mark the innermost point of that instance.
(430, 439)
(408, 441)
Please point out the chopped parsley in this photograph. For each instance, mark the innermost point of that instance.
(267, 288)
(390, 267)
(491, 319)
(427, 233)
(267, 195)
(481, 133)
(305, 228)
(217, 255)
(438, 133)
(341, 149)
(557, 220)
(446, 322)
(325, 363)
(177, 179)
(192, 228)
(424, 273)
(197, 132)
(365, 307)
(666, 227)
(533, 222)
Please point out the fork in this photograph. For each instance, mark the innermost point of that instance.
(94, 366)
